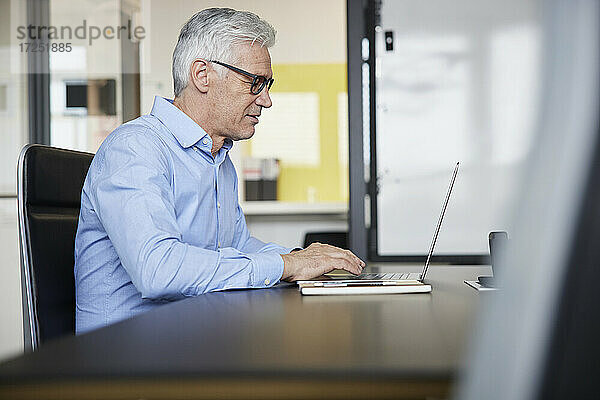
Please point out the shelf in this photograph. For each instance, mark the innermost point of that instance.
(288, 208)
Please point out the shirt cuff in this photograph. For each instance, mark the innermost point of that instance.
(267, 269)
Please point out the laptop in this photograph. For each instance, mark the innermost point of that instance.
(376, 279)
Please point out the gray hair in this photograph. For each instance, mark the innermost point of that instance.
(210, 34)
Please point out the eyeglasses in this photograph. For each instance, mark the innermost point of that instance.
(258, 81)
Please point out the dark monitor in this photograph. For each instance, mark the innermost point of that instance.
(98, 96)
(107, 89)
(76, 95)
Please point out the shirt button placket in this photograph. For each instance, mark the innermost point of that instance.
(218, 204)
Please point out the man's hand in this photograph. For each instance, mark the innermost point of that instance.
(318, 259)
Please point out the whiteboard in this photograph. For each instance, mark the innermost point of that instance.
(460, 84)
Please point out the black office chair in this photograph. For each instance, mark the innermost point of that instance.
(338, 239)
(49, 197)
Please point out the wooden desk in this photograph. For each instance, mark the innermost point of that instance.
(269, 343)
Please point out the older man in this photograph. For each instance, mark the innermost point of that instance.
(160, 219)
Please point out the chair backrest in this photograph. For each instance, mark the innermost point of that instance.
(338, 239)
(49, 197)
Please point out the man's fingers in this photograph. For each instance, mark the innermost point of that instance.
(349, 266)
(360, 262)
(350, 258)
(330, 257)
(348, 253)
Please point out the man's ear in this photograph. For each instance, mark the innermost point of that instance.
(199, 74)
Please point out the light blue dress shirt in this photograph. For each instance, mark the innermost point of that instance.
(160, 221)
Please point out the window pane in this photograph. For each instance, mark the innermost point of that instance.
(13, 94)
(13, 135)
(94, 67)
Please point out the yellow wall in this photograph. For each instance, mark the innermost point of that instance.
(328, 80)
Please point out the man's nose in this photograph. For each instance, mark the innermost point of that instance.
(264, 99)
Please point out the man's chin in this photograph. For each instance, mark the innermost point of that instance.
(244, 135)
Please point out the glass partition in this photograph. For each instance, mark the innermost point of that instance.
(13, 135)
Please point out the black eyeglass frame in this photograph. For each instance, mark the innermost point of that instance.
(259, 81)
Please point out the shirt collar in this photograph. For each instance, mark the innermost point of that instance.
(186, 131)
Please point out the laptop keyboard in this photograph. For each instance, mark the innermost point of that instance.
(373, 276)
